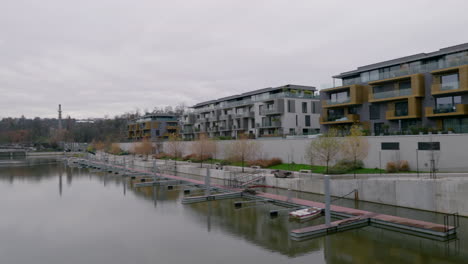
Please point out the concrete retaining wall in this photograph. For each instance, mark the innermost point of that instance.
(451, 157)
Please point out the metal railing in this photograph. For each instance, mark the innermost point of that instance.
(394, 93)
(339, 101)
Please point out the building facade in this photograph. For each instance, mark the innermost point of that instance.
(269, 112)
(422, 91)
(153, 127)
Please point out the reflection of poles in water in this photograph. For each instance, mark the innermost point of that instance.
(208, 220)
(124, 183)
(326, 250)
(155, 195)
(60, 183)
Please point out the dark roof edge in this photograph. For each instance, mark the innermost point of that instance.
(258, 91)
(419, 56)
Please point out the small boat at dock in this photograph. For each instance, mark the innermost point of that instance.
(306, 213)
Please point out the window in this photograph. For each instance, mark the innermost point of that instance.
(291, 106)
(292, 131)
(379, 128)
(374, 75)
(312, 110)
(428, 145)
(390, 146)
(457, 125)
(352, 110)
(304, 107)
(401, 108)
(340, 97)
(260, 109)
(365, 77)
(374, 112)
(449, 82)
(335, 114)
(296, 121)
(405, 85)
(307, 120)
(447, 104)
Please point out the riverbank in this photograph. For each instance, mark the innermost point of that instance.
(446, 194)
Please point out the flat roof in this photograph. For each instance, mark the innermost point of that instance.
(406, 59)
(254, 92)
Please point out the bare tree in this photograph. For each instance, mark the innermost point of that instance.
(243, 150)
(175, 146)
(355, 145)
(145, 148)
(203, 148)
(326, 147)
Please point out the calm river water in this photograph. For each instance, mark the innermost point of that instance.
(51, 214)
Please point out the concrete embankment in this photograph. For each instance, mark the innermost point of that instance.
(447, 194)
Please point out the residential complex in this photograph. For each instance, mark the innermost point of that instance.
(422, 90)
(153, 127)
(285, 110)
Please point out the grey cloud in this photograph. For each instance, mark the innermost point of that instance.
(106, 57)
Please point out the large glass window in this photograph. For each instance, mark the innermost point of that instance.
(405, 85)
(304, 107)
(374, 75)
(374, 112)
(340, 97)
(291, 106)
(447, 104)
(401, 109)
(353, 110)
(334, 114)
(307, 120)
(449, 82)
(365, 77)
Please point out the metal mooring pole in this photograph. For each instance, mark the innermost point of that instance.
(326, 179)
(207, 182)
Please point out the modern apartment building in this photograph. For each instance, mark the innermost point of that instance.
(422, 90)
(286, 110)
(153, 127)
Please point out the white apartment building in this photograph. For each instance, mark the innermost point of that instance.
(269, 112)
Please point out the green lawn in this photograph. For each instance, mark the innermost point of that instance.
(321, 169)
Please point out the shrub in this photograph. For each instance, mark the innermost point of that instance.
(391, 167)
(161, 155)
(404, 166)
(265, 163)
(344, 166)
(188, 157)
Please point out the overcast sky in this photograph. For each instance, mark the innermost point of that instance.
(106, 57)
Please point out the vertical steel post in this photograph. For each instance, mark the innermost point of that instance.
(326, 179)
(207, 182)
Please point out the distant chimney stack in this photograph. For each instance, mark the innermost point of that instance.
(60, 117)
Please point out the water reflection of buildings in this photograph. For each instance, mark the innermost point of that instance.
(366, 245)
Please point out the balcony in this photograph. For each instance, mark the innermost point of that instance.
(224, 128)
(172, 127)
(270, 124)
(416, 90)
(332, 120)
(187, 130)
(456, 110)
(239, 127)
(357, 95)
(411, 112)
(271, 111)
(246, 114)
(460, 86)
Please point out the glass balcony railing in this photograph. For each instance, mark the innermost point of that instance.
(339, 101)
(445, 109)
(394, 93)
(259, 99)
(401, 112)
(422, 68)
(337, 118)
(449, 86)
